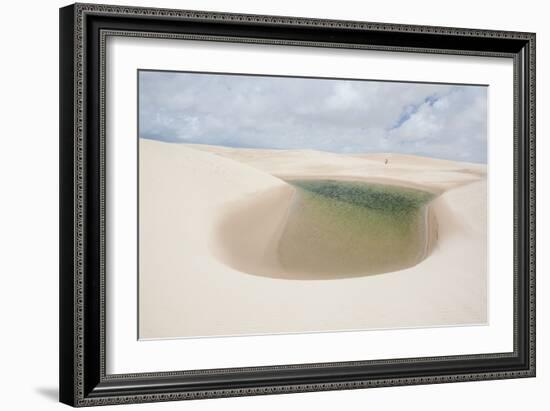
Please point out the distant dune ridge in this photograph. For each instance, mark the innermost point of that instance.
(211, 223)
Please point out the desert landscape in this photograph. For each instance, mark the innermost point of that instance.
(242, 241)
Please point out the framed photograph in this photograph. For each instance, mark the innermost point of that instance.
(262, 204)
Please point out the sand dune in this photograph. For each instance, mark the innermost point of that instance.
(414, 171)
(195, 200)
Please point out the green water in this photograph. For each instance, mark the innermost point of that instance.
(339, 229)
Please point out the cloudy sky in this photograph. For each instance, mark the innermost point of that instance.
(343, 116)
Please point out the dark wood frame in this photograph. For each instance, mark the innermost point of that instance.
(83, 30)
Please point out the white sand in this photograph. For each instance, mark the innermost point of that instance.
(189, 194)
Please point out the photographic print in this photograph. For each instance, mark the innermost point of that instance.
(260, 204)
(280, 204)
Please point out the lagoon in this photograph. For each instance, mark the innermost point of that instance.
(339, 229)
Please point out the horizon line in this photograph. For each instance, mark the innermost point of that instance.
(312, 149)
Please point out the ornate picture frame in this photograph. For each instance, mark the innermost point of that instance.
(84, 30)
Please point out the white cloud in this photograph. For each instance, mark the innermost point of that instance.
(453, 126)
(334, 115)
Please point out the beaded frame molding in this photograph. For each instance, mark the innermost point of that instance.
(84, 29)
